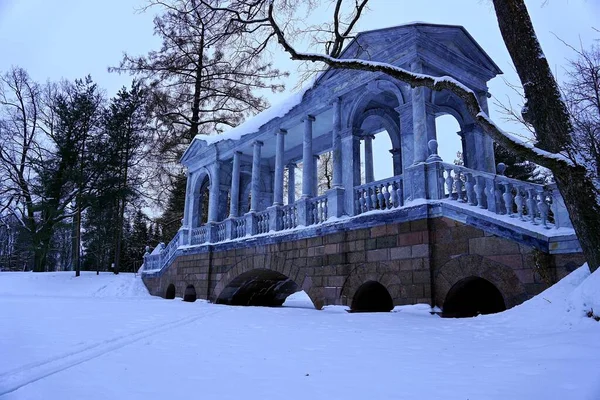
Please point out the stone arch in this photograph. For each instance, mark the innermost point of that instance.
(467, 266)
(189, 294)
(264, 280)
(372, 296)
(366, 273)
(170, 292)
(471, 297)
(200, 188)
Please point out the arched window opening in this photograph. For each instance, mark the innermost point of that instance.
(372, 296)
(451, 148)
(190, 294)
(471, 297)
(170, 293)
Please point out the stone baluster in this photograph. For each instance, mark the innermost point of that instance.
(543, 207)
(490, 193)
(479, 190)
(508, 198)
(469, 188)
(531, 203)
(369, 203)
(387, 195)
(458, 183)
(449, 182)
(520, 202)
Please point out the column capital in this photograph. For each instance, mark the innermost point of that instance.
(308, 117)
(369, 136)
(257, 143)
(291, 165)
(396, 151)
(336, 100)
(281, 131)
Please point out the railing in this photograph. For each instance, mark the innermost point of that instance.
(385, 194)
(200, 235)
(220, 229)
(155, 262)
(317, 210)
(262, 222)
(289, 216)
(238, 227)
(535, 203)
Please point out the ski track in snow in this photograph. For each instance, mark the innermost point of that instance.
(29, 373)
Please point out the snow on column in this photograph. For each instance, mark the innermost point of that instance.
(255, 185)
(280, 146)
(215, 189)
(307, 158)
(291, 183)
(337, 143)
(369, 175)
(235, 186)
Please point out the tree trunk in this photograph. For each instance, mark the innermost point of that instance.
(549, 116)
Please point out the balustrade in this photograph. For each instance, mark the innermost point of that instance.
(385, 194)
(238, 228)
(289, 216)
(199, 235)
(262, 222)
(534, 203)
(317, 208)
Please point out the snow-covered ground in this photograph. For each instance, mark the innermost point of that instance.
(104, 337)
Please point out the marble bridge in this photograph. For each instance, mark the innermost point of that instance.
(261, 224)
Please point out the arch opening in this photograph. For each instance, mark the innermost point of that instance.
(170, 293)
(190, 294)
(473, 296)
(372, 296)
(451, 145)
(258, 287)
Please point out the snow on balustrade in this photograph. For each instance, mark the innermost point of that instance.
(262, 222)
(199, 235)
(289, 216)
(317, 210)
(380, 195)
(535, 203)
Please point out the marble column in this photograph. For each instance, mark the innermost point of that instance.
(351, 164)
(279, 150)
(315, 177)
(214, 193)
(255, 184)
(419, 122)
(307, 158)
(235, 186)
(369, 175)
(337, 143)
(291, 183)
(397, 161)
(487, 144)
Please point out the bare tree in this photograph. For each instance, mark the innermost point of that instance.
(582, 94)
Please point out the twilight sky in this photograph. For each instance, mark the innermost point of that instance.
(72, 38)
